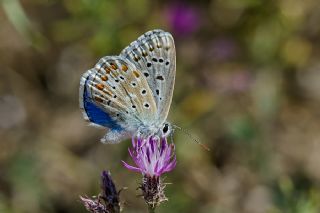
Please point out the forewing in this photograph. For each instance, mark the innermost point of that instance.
(154, 53)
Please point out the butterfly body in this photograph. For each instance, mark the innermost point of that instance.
(130, 94)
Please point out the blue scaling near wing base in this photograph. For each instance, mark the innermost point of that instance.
(97, 115)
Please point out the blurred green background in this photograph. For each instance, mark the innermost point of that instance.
(248, 85)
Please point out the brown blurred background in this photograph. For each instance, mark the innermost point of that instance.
(247, 85)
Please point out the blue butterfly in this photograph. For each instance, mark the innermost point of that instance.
(131, 94)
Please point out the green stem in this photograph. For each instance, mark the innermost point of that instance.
(151, 209)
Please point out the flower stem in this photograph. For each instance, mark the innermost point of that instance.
(151, 209)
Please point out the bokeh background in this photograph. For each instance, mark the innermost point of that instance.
(248, 85)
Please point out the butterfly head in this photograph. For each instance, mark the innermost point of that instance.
(162, 131)
(166, 130)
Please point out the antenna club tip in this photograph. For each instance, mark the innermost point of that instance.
(205, 147)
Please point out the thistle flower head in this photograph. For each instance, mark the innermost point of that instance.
(152, 156)
(108, 199)
(109, 193)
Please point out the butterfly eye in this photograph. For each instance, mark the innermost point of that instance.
(165, 128)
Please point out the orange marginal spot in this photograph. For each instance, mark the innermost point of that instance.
(108, 70)
(100, 86)
(113, 66)
(98, 99)
(104, 78)
(135, 73)
(124, 68)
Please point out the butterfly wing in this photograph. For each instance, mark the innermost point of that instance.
(115, 94)
(154, 53)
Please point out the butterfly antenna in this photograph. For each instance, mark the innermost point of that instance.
(171, 135)
(191, 136)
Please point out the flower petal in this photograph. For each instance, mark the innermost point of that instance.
(132, 168)
(152, 156)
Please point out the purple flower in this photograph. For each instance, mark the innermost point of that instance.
(152, 156)
(109, 193)
(108, 199)
(93, 206)
(183, 19)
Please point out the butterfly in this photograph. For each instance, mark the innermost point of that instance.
(130, 94)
